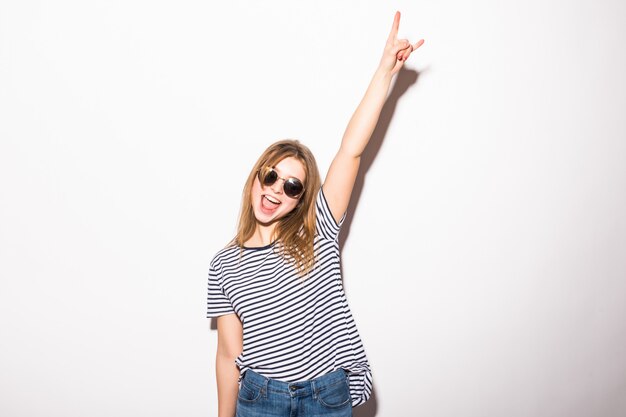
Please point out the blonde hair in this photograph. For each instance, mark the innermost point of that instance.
(295, 231)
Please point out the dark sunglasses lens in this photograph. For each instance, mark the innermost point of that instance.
(270, 177)
(293, 187)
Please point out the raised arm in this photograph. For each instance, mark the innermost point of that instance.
(345, 166)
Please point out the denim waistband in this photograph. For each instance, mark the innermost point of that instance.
(294, 389)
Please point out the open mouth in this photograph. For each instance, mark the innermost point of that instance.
(269, 202)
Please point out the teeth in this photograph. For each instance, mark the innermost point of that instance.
(272, 200)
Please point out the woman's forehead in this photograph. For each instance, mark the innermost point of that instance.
(290, 167)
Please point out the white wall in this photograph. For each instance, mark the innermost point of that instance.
(485, 264)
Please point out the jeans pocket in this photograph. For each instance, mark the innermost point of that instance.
(248, 393)
(335, 395)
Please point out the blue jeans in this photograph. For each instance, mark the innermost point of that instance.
(327, 395)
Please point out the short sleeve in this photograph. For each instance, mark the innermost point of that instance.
(217, 302)
(325, 223)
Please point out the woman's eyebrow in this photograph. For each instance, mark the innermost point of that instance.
(281, 174)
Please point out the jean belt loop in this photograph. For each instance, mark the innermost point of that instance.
(264, 388)
(314, 388)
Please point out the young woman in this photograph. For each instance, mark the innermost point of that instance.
(287, 342)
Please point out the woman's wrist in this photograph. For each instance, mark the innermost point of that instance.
(383, 72)
(381, 80)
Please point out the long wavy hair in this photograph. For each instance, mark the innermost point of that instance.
(294, 233)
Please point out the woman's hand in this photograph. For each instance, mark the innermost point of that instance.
(397, 51)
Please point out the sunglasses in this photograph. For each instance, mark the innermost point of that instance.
(292, 187)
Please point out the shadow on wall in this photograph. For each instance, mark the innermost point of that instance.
(405, 79)
(368, 409)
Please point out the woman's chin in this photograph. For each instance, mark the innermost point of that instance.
(265, 222)
(265, 219)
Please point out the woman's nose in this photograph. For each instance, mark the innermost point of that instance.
(277, 187)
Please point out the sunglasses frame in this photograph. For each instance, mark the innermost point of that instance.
(264, 173)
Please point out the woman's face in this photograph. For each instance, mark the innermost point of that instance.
(270, 202)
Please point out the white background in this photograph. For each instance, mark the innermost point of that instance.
(486, 261)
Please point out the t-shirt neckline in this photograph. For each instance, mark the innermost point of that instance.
(258, 247)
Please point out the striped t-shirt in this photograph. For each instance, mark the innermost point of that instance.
(294, 329)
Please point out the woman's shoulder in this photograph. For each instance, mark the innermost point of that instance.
(229, 251)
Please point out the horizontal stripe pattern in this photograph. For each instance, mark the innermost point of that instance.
(294, 329)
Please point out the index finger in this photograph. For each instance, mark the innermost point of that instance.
(394, 28)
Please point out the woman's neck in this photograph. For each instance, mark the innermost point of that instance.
(262, 236)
